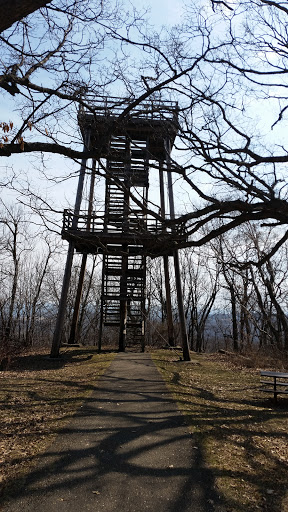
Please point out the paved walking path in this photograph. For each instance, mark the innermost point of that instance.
(126, 450)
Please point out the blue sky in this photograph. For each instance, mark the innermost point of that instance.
(162, 12)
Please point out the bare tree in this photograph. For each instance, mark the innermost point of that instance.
(228, 165)
(14, 242)
(257, 293)
(213, 74)
(32, 301)
(64, 46)
(230, 284)
(201, 285)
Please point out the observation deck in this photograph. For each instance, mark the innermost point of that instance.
(93, 235)
(117, 117)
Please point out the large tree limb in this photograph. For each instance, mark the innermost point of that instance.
(15, 10)
(46, 147)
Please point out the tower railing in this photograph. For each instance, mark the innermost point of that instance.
(94, 223)
(155, 109)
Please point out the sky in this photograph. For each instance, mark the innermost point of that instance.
(163, 11)
(62, 194)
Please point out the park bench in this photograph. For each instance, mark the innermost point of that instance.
(275, 382)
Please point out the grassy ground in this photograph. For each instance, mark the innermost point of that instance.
(242, 435)
(38, 396)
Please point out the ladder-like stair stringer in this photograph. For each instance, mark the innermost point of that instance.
(124, 273)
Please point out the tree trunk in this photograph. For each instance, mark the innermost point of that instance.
(16, 10)
(14, 284)
(234, 318)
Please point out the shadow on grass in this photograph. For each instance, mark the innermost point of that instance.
(115, 437)
(127, 448)
(235, 426)
(39, 362)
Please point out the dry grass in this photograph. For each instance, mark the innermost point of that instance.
(242, 435)
(38, 395)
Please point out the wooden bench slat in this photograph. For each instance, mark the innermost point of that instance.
(276, 383)
(271, 382)
(265, 373)
(283, 391)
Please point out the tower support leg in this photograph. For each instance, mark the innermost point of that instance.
(123, 301)
(74, 324)
(184, 336)
(101, 306)
(62, 304)
(123, 325)
(171, 340)
(55, 348)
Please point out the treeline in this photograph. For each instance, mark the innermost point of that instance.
(230, 300)
(234, 297)
(31, 271)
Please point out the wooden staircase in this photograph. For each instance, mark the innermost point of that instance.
(124, 273)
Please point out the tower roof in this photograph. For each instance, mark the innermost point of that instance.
(154, 121)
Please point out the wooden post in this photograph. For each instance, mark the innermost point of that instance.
(101, 306)
(144, 258)
(62, 304)
(74, 324)
(185, 347)
(171, 339)
(125, 230)
(55, 348)
(123, 300)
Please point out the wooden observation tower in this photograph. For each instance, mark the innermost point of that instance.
(126, 142)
